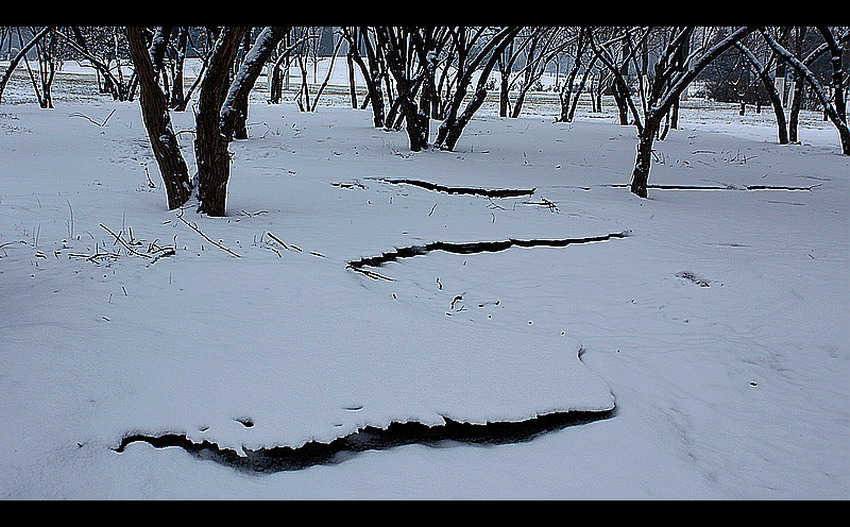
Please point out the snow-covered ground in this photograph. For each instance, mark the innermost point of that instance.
(707, 330)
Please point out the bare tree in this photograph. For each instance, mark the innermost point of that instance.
(397, 45)
(372, 69)
(220, 112)
(46, 60)
(234, 113)
(762, 70)
(154, 104)
(665, 87)
(21, 54)
(539, 46)
(211, 147)
(835, 111)
(307, 57)
(471, 60)
(101, 48)
(618, 49)
(569, 92)
(505, 64)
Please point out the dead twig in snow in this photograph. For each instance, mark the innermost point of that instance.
(120, 240)
(207, 238)
(371, 274)
(278, 240)
(99, 123)
(544, 203)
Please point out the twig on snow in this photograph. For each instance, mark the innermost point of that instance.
(207, 238)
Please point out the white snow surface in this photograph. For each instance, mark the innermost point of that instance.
(718, 327)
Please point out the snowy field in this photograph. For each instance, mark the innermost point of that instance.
(700, 336)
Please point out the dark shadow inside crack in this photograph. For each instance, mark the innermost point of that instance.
(470, 248)
(452, 433)
(718, 187)
(472, 191)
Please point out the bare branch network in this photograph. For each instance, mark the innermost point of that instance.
(412, 76)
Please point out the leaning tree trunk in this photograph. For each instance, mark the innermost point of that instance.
(374, 79)
(831, 111)
(778, 111)
(643, 159)
(520, 100)
(578, 93)
(417, 124)
(178, 93)
(234, 114)
(566, 95)
(772, 92)
(666, 87)
(836, 51)
(622, 105)
(172, 166)
(211, 147)
(451, 129)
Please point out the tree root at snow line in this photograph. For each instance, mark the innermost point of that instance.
(285, 458)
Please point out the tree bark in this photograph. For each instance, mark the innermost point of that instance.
(393, 43)
(172, 166)
(234, 113)
(643, 159)
(211, 147)
(178, 94)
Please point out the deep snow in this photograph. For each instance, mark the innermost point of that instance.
(718, 327)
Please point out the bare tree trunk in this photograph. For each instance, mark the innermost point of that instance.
(666, 87)
(211, 147)
(643, 159)
(393, 43)
(178, 93)
(172, 166)
(374, 76)
(324, 85)
(352, 84)
(620, 100)
(451, 130)
(796, 106)
(45, 51)
(520, 100)
(504, 91)
(234, 113)
(674, 114)
(579, 91)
